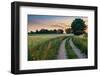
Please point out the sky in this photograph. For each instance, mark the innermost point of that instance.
(37, 22)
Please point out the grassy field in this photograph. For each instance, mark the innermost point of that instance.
(81, 43)
(70, 53)
(46, 46)
(43, 47)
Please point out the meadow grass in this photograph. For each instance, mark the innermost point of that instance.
(69, 51)
(81, 43)
(43, 47)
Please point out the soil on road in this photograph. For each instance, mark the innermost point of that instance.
(62, 51)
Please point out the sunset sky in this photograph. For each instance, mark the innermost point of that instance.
(50, 22)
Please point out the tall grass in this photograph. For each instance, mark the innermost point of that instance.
(81, 43)
(43, 48)
(69, 51)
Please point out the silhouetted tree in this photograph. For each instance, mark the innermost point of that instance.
(31, 32)
(68, 30)
(60, 31)
(37, 32)
(55, 31)
(78, 26)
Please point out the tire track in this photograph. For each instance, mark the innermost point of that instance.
(62, 51)
(76, 50)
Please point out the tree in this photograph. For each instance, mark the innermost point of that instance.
(31, 32)
(78, 26)
(60, 31)
(68, 30)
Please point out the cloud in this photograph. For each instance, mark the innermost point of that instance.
(37, 22)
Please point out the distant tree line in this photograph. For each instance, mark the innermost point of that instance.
(46, 31)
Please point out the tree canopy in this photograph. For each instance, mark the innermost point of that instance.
(78, 26)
